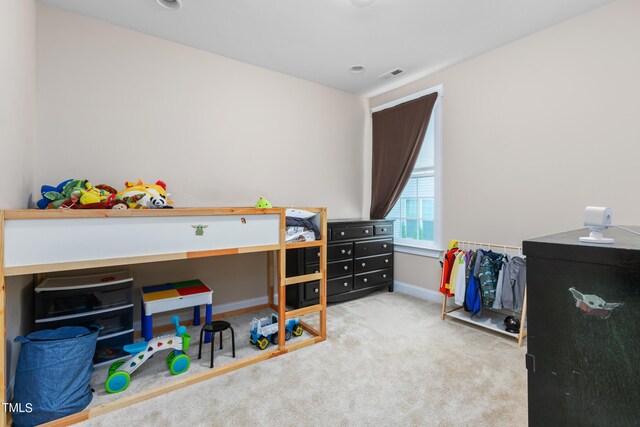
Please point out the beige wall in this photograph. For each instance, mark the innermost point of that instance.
(116, 105)
(17, 130)
(17, 101)
(120, 105)
(536, 130)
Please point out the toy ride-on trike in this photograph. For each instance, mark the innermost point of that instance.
(177, 361)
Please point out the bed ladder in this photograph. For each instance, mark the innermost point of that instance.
(283, 281)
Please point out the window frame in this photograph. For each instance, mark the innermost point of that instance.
(413, 246)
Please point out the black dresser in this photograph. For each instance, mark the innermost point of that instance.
(359, 261)
(583, 355)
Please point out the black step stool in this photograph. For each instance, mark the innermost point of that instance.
(213, 327)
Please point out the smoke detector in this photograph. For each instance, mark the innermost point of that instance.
(170, 4)
(356, 69)
(393, 73)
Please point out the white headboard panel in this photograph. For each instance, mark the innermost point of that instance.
(62, 240)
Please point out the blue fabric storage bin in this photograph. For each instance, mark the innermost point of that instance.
(53, 373)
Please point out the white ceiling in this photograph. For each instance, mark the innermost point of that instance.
(319, 40)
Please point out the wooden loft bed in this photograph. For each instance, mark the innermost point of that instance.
(35, 242)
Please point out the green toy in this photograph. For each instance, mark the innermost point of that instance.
(263, 204)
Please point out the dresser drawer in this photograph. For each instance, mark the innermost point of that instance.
(311, 268)
(340, 251)
(344, 233)
(334, 253)
(339, 268)
(312, 255)
(334, 287)
(373, 263)
(373, 278)
(375, 247)
(339, 285)
(334, 269)
(383, 230)
(312, 290)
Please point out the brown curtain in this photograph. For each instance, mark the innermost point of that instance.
(398, 133)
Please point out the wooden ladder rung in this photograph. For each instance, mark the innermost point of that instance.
(303, 311)
(307, 327)
(305, 278)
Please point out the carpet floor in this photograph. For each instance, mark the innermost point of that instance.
(388, 360)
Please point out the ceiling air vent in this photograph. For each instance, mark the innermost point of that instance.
(392, 73)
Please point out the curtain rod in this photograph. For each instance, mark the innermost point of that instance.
(492, 245)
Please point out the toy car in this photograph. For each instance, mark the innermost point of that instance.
(265, 330)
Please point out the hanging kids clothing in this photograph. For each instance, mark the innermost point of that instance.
(488, 277)
(460, 282)
(513, 283)
(497, 303)
(447, 266)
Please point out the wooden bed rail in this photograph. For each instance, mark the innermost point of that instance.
(276, 273)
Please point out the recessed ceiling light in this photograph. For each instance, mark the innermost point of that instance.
(357, 69)
(170, 4)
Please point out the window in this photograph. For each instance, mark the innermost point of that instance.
(416, 215)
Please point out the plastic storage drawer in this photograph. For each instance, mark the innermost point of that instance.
(113, 321)
(109, 348)
(68, 296)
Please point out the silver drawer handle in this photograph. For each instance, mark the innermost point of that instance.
(344, 252)
(384, 246)
(384, 276)
(383, 230)
(346, 284)
(316, 290)
(349, 253)
(342, 233)
(346, 267)
(317, 272)
(386, 260)
(365, 280)
(366, 231)
(364, 264)
(318, 254)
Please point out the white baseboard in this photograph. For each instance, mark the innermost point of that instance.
(418, 292)
(187, 313)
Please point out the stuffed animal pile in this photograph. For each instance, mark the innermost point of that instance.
(81, 194)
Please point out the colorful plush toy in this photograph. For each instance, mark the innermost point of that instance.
(51, 194)
(80, 194)
(93, 195)
(146, 196)
(64, 195)
(263, 204)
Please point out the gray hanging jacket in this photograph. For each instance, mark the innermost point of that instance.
(497, 304)
(514, 281)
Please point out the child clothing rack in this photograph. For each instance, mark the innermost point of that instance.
(492, 320)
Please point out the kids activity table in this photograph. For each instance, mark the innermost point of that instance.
(174, 296)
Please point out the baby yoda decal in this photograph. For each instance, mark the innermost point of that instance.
(199, 229)
(593, 305)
